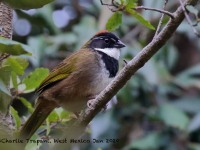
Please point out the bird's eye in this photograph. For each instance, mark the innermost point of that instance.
(107, 41)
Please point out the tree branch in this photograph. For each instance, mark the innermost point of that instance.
(155, 9)
(161, 19)
(188, 19)
(122, 7)
(6, 16)
(76, 128)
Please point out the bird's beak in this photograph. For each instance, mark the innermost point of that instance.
(119, 44)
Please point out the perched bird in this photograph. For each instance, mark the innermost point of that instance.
(77, 79)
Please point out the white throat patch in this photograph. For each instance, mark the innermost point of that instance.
(112, 52)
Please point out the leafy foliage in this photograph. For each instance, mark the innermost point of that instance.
(173, 116)
(27, 4)
(116, 19)
(147, 142)
(34, 79)
(13, 47)
(16, 117)
(140, 18)
(114, 22)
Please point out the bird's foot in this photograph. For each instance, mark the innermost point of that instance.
(91, 103)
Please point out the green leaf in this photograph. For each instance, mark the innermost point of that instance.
(16, 117)
(33, 80)
(5, 73)
(189, 77)
(53, 117)
(16, 64)
(63, 115)
(5, 101)
(150, 141)
(27, 104)
(189, 104)
(27, 4)
(14, 80)
(192, 9)
(33, 145)
(114, 22)
(3, 88)
(13, 47)
(140, 18)
(46, 13)
(131, 3)
(172, 116)
(195, 123)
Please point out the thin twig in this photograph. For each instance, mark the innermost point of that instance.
(188, 19)
(161, 19)
(3, 56)
(121, 8)
(102, 3)
(155, 9)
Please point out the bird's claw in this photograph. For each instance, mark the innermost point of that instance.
(90, 103)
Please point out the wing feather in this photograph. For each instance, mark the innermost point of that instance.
(69, 65)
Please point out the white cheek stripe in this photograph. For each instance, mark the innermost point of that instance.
(112, 52)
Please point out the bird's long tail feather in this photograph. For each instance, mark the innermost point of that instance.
(43, 109)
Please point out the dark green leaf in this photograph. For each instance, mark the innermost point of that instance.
(53, 117)
(33, 145)
(114, 22)
(131, 3)
(5, 101)
(14, 80)
(33, 80)
(16, 117)
(3, 88)
(5, 73)
(188, 104)
(150, 141)
(63, 115)
(140, 18)
(173, 116)
(187, 78)
(13, 47)
(195, 123)
(192, 9)
(16, 64)
(27, 4)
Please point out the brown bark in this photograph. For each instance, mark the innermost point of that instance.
(6, 16)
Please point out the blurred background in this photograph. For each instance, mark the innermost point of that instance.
(158, 109)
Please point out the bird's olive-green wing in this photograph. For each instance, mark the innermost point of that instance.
(62, 71)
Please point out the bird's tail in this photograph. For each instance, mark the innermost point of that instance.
(43, 109)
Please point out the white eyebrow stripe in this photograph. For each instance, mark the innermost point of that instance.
(101, 38)
(113, 40)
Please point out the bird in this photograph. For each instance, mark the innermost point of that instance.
(77, 79)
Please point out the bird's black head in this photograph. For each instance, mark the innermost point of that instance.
(105, 39)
